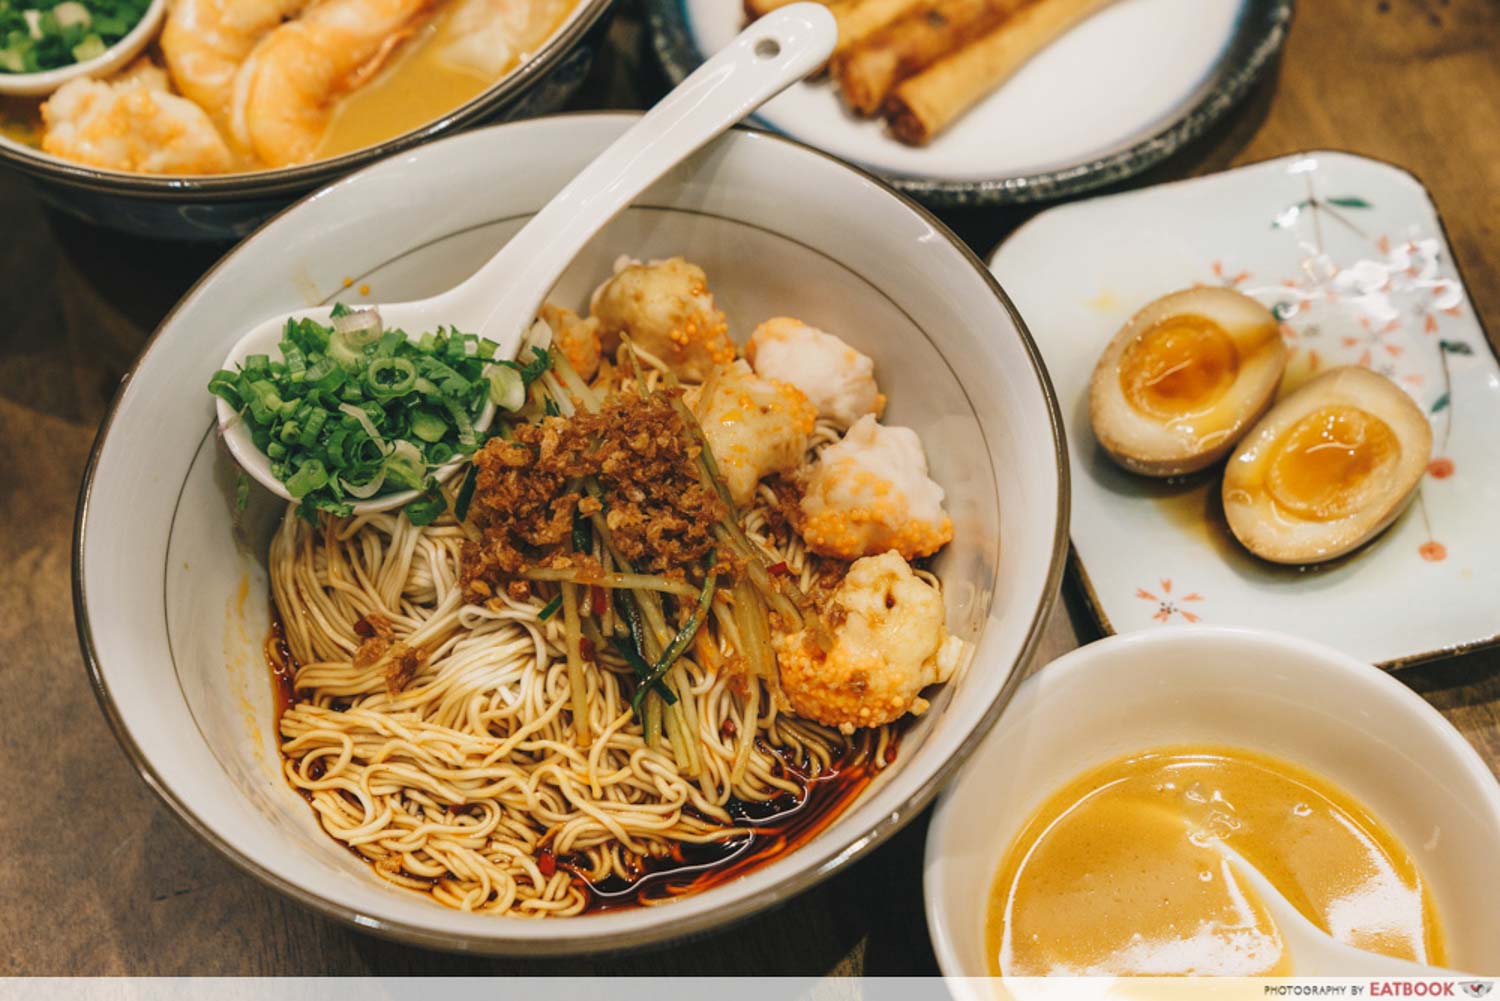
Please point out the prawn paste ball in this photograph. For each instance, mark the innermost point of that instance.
(870, 492)
(576, 337)
(132, 123)
(667, 309)
(889, 643)
(754, 426)
(837, 379)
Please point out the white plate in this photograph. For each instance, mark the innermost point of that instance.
(1113, 96)
(1351, 254)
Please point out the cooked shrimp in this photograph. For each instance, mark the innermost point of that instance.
(488, 36)
(755, 427)
(286, 90)
(837, 379)
(205, 42)
(132, 124)
(888, 643)
(667, 309)
(870, 492)
(577, 337)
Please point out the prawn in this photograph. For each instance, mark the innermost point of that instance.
(286, 89)
(132, 123)
(204, 43)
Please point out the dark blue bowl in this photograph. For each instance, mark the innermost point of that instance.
(227, 207)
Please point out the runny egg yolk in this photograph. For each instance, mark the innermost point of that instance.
(1182, 366)
(1331, 463)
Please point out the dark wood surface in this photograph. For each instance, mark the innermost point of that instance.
(96, 877)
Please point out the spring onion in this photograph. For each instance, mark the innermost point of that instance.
(426, 508)
(350, 411)
(37, 35)
(507, 387)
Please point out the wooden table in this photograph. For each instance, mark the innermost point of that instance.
(96, 876)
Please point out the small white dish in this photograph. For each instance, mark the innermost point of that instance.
(171, 586)
(1113, 96)
(113, 58)
(1314, 706)
(1351, 255)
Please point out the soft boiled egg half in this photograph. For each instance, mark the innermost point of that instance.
(1183, 379)
(1327, 469)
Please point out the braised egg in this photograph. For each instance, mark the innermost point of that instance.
(1327, 469)
(1182, 381)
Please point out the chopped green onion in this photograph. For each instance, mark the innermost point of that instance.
(428, 426)
(405, 466)
(225, 385)
(389, 377)
(309, 476)
(425, 509)
(352, 411)
(92, 47)
(550, 608)
(507, 387)
(38, 35)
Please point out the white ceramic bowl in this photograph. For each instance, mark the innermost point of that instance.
(172, 597)
(1310, 704)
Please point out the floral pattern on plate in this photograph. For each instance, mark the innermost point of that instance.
(1350, 255)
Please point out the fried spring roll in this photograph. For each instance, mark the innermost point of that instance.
(867, 71)
(923, 105)
(756, 9)
(859, 19)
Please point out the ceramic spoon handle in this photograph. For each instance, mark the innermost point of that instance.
(773, 53)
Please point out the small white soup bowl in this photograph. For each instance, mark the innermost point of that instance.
(1356, 725)
(170, 582)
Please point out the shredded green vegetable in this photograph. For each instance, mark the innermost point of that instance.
(37, 35)
(679, 643)
(353, 412)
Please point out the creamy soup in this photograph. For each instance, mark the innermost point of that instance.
(466, 47)
(1118, 873)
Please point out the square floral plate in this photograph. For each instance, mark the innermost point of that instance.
(1350, 254)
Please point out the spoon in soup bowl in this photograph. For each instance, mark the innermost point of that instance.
(1314, 952)
(500, 300)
